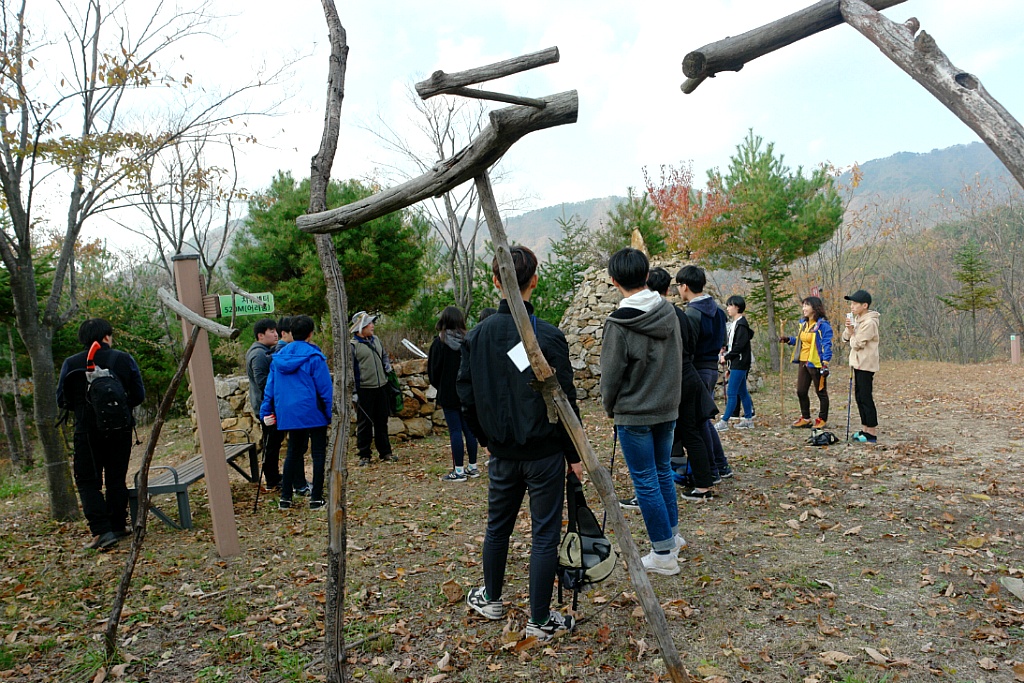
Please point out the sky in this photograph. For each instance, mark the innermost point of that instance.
(829, 98)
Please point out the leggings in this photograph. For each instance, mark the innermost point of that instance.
(806, 376)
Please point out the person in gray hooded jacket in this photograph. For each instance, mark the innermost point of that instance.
(641, 380)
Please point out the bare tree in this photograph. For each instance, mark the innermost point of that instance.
(71, 135)
(188, 202)
(444, 125)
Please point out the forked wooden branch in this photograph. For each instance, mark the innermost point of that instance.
(441, 83)
(171, 302)
(507, 126)
(558, 405)
(961, 92)
(730, 54)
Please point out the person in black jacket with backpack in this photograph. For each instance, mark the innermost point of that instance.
(738, 354)
(101, 454)
(442, 369)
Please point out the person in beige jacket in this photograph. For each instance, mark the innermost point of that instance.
(861, 332)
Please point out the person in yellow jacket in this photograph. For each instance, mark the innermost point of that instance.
(861, 332)
(811, 356)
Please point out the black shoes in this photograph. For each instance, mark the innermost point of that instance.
(103, 541)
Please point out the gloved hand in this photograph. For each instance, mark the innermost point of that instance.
(270, 420)
(824, 371)
(355, 398)
(783, 340)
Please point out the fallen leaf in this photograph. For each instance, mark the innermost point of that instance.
(988, 665)
(973, 542)
(525, 643)
(853, 531)
(979, 496)
(444, 664)
(118, 671)
(452, 590)
(1015, 586)
(834, 657)
(876, 655)
(1018, 672)
(436, 679)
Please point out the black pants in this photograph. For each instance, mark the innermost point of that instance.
(103, 458)
(372, 422)
(509, 480)
(272, 459)
(863, 387)
(807, 375)
(294, 462)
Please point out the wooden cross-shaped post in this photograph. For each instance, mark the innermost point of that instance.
(506, 127)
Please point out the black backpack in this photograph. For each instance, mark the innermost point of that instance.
(106, 396)
(819, 437)
(585, 555)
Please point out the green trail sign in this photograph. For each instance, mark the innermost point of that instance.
(244, 306)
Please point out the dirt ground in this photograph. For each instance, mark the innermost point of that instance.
(851, 563)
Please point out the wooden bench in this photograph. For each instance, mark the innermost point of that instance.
(176, 480)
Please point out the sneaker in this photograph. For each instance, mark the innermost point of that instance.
(557, 623)
(304, 491)
(472, 472)
(629, 503)
(284, 504)
(819, 423)
(726, 473)
(489, 609)
(864, 437)
(721, 426)
(680, 544)
(387, 457)
(802, 422)
(746, 423)
(454, 476)
(694, 494)
(317, 505)
(363, 462)
(666, 565)
(716, 479)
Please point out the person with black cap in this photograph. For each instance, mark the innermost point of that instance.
(371, 365)
(861, 332)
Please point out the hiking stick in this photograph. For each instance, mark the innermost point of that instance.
(611, 470)
(261, 468)
(849, 398)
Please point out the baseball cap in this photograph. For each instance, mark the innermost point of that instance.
(860, 297)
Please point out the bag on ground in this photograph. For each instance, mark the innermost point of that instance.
(585, 555)
(819, 437)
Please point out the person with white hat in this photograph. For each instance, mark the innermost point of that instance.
(371, 365)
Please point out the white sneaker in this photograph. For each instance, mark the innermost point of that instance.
(746, 423)
(666, 565)
(680, 544)
(721, 426)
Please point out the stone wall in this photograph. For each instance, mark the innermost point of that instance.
(419, 418)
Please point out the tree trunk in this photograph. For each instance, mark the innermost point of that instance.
(337, 475)
(39, 342)
(19, 412)
(8, 423)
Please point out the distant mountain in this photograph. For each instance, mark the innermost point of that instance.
(916, 181)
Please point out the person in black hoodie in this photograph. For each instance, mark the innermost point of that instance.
(528, 452)
(442, 370)
(738, 353)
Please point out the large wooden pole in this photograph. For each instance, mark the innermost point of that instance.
(730, 54)
(558, 405)
(211, 438)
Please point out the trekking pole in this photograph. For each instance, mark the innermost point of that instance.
(782, 355)
(259, 470)
(611, 471)
(849, 398)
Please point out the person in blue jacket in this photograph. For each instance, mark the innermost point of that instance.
(298, 398)
(812, 355)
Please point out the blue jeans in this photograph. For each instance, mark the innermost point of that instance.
(456, 430)
(509, 480)
(647, 450)
(708, 431)
(294, 462)
(737, 392)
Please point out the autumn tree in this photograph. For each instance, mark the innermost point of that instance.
(685, 211)
(973, 272)
(69, 140)
(773, 217)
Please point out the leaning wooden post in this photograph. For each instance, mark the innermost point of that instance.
(960, 92)
(211, 438)
(558, 404)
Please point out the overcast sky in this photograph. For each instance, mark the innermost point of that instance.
(833, 97)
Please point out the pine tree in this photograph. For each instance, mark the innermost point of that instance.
(973, 272)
